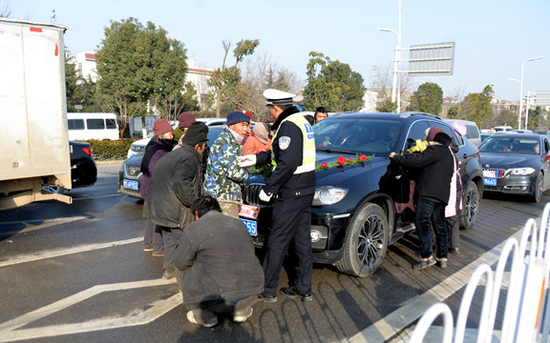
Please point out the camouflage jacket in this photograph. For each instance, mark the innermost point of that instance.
(224, 177)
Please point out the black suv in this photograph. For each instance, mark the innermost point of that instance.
(360, 209)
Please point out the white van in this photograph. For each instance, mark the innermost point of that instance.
(472, 131)
(502, 129)
(83, 126)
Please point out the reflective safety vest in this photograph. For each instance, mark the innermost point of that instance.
(308, 148)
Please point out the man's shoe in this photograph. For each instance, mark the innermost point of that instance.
(267, 298)
(191, 319)
(158, 254)
(442, 263)
(424, 264)
(147, 249)
(292, 293)
(242, 315)
(169, 273)
(455, 251)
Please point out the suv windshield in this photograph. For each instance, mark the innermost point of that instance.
(357, 135)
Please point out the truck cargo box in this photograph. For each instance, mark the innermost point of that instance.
(33, 119)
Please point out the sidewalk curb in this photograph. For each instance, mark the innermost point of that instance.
(108, 163)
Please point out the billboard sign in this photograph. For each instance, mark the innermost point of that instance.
(431, 59)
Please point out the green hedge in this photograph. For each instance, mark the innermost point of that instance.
(107, 150)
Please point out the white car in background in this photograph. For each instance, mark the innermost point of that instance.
(138, 147)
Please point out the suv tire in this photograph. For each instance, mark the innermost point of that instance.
(366, 242)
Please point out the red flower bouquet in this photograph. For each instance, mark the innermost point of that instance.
(342, 161)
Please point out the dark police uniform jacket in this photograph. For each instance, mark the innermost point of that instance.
(284, 181)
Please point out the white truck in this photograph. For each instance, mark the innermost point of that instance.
(34, 150)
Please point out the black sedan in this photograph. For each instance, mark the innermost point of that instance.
(360, 208)
(516, 164)
(83, 167)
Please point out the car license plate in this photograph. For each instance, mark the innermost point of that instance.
(130, 184)
(490, 173)
(249, 211)
(489, 181)
(251, 225)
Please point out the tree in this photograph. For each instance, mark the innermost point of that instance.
(503, 116)
(258, 73)
(137, 64)
(453, 111)
(332, 84)
(536, 118)
(383, 80)
(80, 92)
(224, 80)
(427, 98)
(387, 106)
(5, 11)
(71, 82)
(477, 106)
(170, 105)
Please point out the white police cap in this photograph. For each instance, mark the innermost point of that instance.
(277, 97)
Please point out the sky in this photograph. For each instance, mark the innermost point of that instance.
(492, 37)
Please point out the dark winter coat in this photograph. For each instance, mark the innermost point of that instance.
(436, 167)
(174, 186)
(155, 149)
(217, 261)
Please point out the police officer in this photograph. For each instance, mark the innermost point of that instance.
(292, 184)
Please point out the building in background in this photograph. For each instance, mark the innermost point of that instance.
(86, 65)
(198, 76)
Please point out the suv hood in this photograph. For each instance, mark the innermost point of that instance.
(334, 176)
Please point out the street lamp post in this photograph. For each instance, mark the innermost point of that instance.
(395, 89)
(521, 88)
(527, 103)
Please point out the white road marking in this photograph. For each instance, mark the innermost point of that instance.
(43, 223)
(62, 252)
(9, 330)
(98, 196)
(380, 331)
(391, 325)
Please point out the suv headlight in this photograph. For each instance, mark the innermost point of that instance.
(329, 195)
(522, 171)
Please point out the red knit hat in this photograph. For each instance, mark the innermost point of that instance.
(186, 119)
(161, 126)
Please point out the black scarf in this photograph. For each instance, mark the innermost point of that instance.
(152, 147)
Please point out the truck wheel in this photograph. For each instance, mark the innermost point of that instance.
(470, 206)
(538, 187)
(366, 242)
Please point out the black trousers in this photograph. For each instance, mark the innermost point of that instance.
(171, 237)
(290, 232)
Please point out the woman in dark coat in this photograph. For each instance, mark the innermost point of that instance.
(436, 165)
(161, 144)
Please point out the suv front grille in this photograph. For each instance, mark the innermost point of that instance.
(251, 195)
